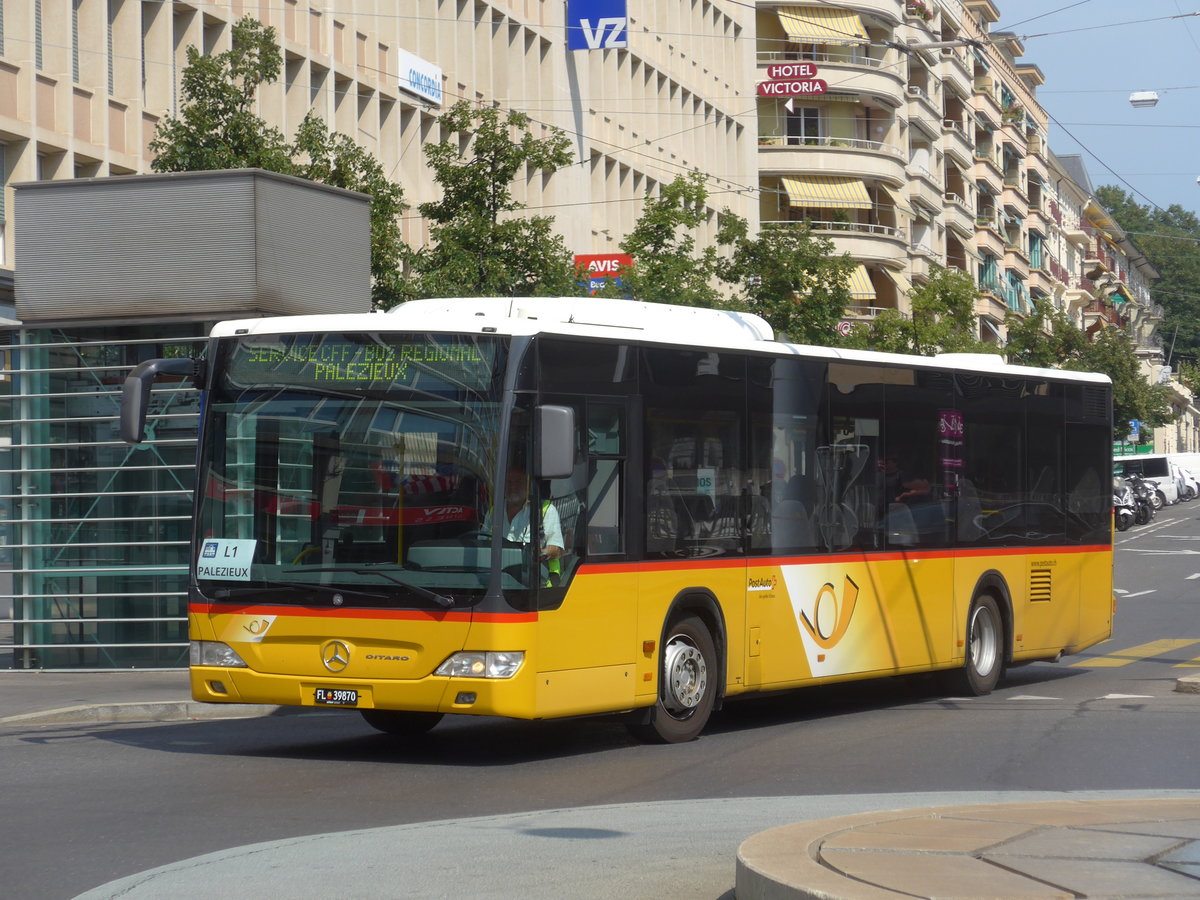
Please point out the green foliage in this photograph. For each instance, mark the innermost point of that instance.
(789, 277)
(667, 268)
(1048, 339)
(942, 320)
(1045, 338)
(334, 159)
(478, 248)
(217, 129)
(1170, 239)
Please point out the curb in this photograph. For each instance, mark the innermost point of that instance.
(1189, 684)
(168, 711)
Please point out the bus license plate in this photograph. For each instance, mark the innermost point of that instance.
(335, 697)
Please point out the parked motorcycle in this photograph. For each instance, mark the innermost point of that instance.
(1143, 496)
(1124, 504)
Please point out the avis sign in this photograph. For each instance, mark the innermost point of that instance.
(600, 268)
(596, 24)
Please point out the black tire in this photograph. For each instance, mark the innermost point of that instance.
(688, 682)
(401, 724)
(985, 650)
(1123, 522)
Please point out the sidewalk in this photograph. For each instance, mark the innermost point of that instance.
(43, 698)
(1087, 848)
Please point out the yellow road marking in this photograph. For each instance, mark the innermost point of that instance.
(1133, 654)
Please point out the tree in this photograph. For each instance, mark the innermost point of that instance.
(1170, 239)
(1045, 338)
(217, 129)
(478, 247)
(942, 320)
(789, 277)
(667, 267)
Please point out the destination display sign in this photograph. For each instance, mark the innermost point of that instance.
(365, 361)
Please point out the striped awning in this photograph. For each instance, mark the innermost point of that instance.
(860, 284)
(813, 25)
(826, 192)
(897, 200)
(903, 285)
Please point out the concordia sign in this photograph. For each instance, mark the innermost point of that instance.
(421, 78)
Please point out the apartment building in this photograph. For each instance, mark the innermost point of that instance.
(83, 85)
(921, 142)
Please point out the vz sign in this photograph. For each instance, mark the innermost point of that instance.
(596, 24)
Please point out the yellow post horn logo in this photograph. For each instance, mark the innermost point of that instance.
(841, 617)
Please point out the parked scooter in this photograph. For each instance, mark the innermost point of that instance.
(1124, 504)
(1143, 496)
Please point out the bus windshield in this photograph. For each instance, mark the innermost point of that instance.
(352, 469)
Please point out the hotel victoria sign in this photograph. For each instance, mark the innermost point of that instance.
(796, 79)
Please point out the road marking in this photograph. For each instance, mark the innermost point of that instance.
(1190, 664)
(1183, 552)
(1032, 697)
(1193, 576)
(1133, 654)
(1129, 596)
(1126, 697)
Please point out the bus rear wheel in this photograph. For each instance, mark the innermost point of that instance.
(985, 650)
(401, 724)
(687, 685)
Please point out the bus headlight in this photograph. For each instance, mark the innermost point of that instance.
(214, 653)
(493, 664)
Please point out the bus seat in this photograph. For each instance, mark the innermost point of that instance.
(900, 525)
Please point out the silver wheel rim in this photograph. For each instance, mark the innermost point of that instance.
(984, 641)
(686, 676)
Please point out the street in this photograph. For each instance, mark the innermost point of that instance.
(89, 804)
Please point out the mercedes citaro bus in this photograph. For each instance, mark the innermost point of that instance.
(737, 514)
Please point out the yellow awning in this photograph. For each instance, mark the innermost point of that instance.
(860, 284)
(826, 192)
(812, 25)
(903, 285)
(897, 200)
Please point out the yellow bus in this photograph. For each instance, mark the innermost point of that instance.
(540, 508)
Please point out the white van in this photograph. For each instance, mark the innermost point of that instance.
(1155, 468)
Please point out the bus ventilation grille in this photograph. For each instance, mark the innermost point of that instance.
(1039, 584)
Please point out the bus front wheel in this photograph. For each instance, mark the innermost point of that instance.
(687, 685)
(985, 650)
(401, 724)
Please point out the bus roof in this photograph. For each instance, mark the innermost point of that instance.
(612, 319)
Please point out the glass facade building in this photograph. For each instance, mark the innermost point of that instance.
(95, 531)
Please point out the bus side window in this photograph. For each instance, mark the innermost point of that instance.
(606, 452)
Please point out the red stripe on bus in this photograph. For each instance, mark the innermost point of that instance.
(597, 568)
(208, 609)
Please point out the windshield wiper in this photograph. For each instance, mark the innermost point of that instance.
(423, 592)
(298, 587)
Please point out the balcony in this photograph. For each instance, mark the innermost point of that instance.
(925, 189)
(958, 216)
(780, 154)
(881, 244)
(955, 67)
(923, 105)
(955, 142)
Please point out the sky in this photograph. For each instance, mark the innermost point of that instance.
(1151, 153)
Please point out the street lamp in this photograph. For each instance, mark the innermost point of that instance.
(1143, 98)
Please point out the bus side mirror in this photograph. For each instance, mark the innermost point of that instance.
(135, 396)
(555, 442)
